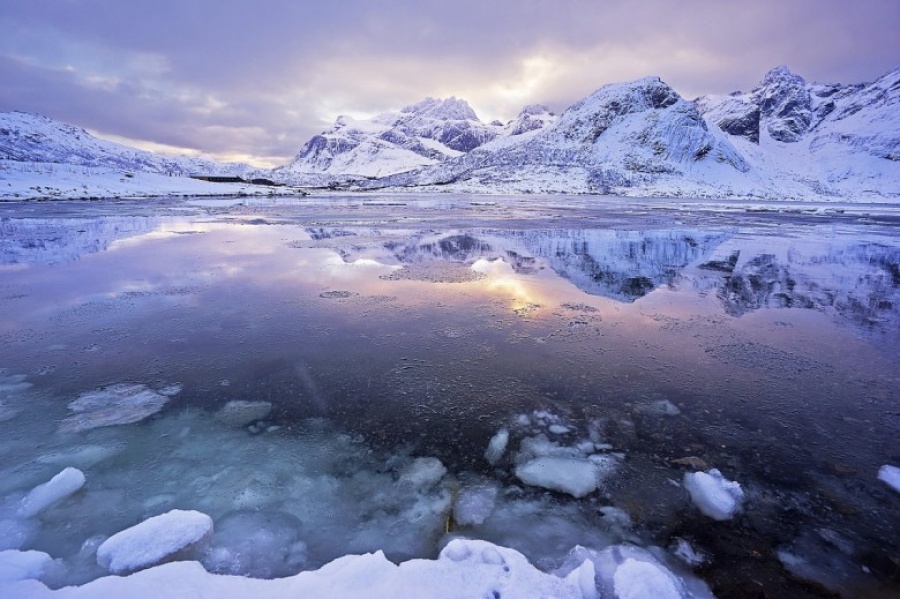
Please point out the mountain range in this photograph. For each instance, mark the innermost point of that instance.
(785, 139)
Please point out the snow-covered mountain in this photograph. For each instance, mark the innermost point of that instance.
(33, 138)
(786, 139)
(624, 135)
(802, 138)
(423, 134)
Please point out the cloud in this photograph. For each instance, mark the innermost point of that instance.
(231, 78)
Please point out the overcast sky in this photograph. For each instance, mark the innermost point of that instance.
(252, 81)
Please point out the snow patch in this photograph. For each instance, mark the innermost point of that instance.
(168, 537)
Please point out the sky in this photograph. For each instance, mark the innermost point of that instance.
(253, 81)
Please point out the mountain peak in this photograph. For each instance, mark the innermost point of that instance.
(450, 109)
(780, 74)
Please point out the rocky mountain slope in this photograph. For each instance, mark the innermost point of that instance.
(802, 138)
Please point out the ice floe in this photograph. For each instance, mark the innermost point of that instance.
(661, 407)
(122, 403)
(574, 469)
(829, 559)
(238, 413)
(497, 446)
(890, 475)
(175, 535)
(64, 484)
(575, 476)
(475, 504)
(713, 494)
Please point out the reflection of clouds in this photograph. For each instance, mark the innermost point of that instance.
(336, 267)
(502, 279)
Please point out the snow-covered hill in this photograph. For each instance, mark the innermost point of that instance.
(423, 134)
(27, 137)
(43, 158)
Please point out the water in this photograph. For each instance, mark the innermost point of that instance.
(761, 340)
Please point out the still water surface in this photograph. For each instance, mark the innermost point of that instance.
(760, 340)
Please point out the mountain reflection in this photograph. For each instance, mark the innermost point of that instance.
(855, 281)
(61, 240)
(858, 282)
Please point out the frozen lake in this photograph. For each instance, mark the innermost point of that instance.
(340, 374)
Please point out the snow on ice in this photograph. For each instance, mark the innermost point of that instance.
(168, 537)
(122, 403)
(715, 496)
(23, 565)
(66, 483)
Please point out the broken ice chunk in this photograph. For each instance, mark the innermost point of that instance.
(423, 473)
(238, 413)
(636, 579)
(173, 536)
(662, 407)
(497, 446)
(122, 403)
(474, 504)
(890, 475)
(684, 551)
(64, 484)
(629, 572)
(575, 476)
(715, 496)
